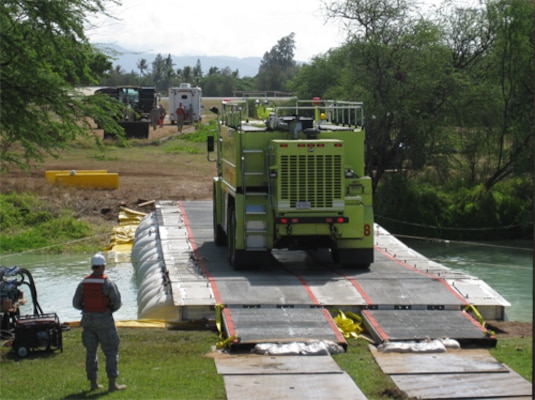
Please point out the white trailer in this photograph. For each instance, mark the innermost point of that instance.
(191, 99)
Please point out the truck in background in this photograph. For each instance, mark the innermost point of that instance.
(191, 99)
(138, 101)
(295, 182)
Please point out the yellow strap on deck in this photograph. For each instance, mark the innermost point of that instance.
(219, 324)
(349, 324)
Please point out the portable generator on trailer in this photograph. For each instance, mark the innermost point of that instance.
(38, 331)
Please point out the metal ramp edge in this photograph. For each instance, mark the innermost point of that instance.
(253, 325)
(414, 325)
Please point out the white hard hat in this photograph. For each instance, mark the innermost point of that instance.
(98, 259)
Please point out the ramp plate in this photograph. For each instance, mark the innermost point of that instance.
(266, 325)
(403, 325)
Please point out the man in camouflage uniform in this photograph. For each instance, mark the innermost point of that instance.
(98, 298)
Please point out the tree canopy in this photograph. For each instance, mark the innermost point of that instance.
(44, 54)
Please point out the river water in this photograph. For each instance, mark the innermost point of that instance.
(507, 267)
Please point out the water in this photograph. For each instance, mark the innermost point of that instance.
(56, 278)
(506, 266)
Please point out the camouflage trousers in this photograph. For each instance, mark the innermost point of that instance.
(99, 328)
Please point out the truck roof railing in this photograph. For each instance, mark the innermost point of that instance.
(323, 113)
(345, 113)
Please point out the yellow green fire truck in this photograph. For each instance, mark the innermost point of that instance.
(294, 182)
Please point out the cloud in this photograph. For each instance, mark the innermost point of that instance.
(239, 28)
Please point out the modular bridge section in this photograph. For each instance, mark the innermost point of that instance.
(403, 296)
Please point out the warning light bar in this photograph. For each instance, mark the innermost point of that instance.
(311, 220)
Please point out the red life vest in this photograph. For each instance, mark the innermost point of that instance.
(94, 298)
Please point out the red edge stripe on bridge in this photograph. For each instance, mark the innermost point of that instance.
(441, 280)
(205, 271)
(316, 302)
(230, 323)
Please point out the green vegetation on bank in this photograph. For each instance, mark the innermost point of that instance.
(418, 206)
(28, 222)
(169, 364)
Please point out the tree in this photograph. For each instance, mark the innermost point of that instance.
(321, 77)
(278, 65)
(142, 66)
(496, 58)
(397, 64)
(43, 56)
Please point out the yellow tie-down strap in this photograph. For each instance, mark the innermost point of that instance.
(349, 323)
(219, 324)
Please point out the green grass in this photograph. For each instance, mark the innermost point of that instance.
(517, 353)
(171, 364)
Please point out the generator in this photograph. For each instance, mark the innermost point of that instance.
(37, 332)
(26, 332)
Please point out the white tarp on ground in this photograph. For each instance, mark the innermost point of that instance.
(425, 346)
(316, 348)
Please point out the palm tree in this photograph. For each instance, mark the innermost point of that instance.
(142, 65)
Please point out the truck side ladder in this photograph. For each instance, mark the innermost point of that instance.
(254, 180)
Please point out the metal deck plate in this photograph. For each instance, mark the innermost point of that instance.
(398, 325)
(255, 364)
(450, 362)
(266, 325)
(292, 387)
(285, 377)
(464, 386)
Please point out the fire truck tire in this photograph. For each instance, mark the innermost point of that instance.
(22, 351)
(349, 258)
(236, 257)
(220, 237)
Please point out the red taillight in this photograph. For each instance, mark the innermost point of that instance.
(286, 221)
(340, 220)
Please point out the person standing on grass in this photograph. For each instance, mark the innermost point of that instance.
(98, 298)
(155, 117)
(180, 115)
(163, 112)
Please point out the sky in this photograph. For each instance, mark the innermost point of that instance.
(235, 28)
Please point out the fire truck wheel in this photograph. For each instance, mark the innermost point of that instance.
(237, 258)
(220, 237)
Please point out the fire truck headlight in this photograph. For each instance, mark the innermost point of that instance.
(349, 173)
(273, 174)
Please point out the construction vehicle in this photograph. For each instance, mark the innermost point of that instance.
(138, 102)
(191, 99)
(294, 182)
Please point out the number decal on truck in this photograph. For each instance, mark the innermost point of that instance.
(367, 230)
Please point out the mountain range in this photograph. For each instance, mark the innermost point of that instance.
(128, 60)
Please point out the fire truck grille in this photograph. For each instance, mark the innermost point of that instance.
(311, 181)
